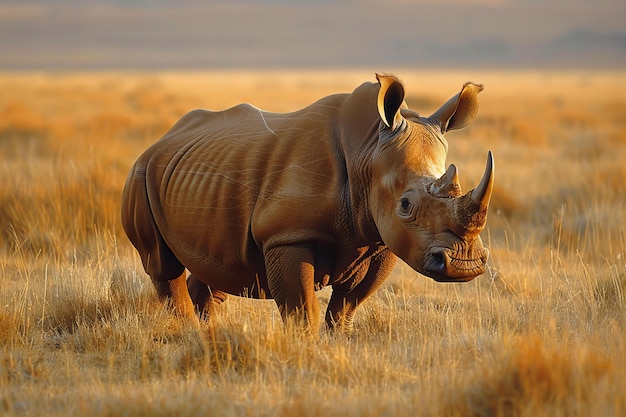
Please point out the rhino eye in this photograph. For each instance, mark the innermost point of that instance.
(407, 208)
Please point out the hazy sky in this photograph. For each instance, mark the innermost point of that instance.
(83, 34)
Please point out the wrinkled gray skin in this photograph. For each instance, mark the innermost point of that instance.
(279, 205)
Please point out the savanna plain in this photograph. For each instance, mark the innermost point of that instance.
(541, 333)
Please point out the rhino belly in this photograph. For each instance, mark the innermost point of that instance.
(216, 248)
(219, 259)
(239, 279)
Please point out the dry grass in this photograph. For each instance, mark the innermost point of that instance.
(542, 333)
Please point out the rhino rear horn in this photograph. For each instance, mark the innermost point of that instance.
(390, 100)
(448, 184)
(460, 111)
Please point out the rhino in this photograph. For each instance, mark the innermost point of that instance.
(279, 205)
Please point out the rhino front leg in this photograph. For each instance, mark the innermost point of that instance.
(205, 300)
(345, 298)
(290, 276)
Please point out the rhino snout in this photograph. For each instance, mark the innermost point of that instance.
(449, 265)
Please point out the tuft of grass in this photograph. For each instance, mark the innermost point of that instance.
(535, 377)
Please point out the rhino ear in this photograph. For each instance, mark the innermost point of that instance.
(390, 100)
(460, 111)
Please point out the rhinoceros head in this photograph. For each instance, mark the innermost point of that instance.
(417, 205)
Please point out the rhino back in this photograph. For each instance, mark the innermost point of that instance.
(223, 185)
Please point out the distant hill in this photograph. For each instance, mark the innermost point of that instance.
(582, 48)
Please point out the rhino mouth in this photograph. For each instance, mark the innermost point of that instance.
(448, 265)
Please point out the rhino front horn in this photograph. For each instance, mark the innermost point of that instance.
(481, 195)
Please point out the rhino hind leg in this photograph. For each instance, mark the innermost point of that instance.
(205, 300)
(165, 270)
(175, 292)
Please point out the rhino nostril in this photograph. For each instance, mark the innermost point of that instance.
(438, 262)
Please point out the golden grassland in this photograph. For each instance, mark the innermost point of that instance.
(541, 333)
